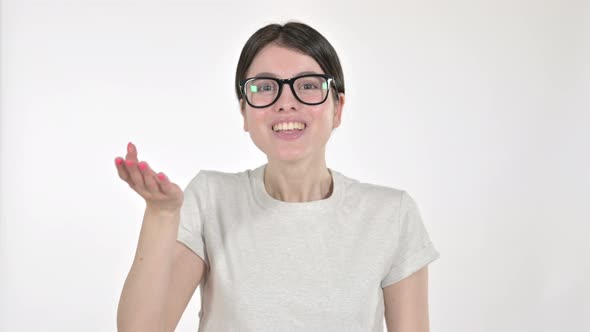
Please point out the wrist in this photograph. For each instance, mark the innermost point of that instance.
(161, 212)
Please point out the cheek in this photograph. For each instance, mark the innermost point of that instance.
(323, 115)
(256, 121)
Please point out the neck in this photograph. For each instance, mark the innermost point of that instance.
(301, 181)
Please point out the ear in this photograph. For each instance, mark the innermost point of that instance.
(338, 110)
(243, 112)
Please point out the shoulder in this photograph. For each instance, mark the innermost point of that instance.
(210, 179)
(217, 175)
(373, 192)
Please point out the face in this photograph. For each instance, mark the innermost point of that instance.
(320, 119)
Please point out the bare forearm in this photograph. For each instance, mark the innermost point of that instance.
(141, 306)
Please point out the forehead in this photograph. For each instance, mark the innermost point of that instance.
(282, 62)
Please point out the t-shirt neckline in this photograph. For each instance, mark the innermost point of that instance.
(267, 201)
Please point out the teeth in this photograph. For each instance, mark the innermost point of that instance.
(289, 126)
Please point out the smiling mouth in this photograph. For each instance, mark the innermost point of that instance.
(291, 128)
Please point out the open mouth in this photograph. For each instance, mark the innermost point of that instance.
(289, 133)
(296, 127)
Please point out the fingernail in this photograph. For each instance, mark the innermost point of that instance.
(142, 165)
(119, 160)
(129, 147)
(129, 162)
(161, 176)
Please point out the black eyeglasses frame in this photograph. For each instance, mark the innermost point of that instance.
(329, 80)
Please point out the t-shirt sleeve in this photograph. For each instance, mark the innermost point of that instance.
(414, 249)
(193, 215)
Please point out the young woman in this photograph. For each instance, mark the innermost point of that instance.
(291, 245)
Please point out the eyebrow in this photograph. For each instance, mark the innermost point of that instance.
(267, 74)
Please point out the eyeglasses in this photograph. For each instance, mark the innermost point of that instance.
(309, 89)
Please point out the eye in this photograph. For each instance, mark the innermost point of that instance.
(308, 85)
(265, 87)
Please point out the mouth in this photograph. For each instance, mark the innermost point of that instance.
(290, 134)
(298, 127)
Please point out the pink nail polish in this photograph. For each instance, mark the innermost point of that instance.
(161, 176)
(142, 165)
(129, 147)
(119, 160)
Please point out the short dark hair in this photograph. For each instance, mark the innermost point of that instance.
(296, 36)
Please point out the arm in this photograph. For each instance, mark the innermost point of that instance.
(406, 303)
(164, 273)
(187, 272)
(162, 279)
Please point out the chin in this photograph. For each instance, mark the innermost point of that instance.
(292, 155)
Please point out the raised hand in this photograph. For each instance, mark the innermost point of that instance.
(159, 193)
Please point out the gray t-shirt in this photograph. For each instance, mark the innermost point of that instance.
(299, 266)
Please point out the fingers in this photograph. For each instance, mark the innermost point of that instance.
(154, 183)
(149, 177)
(123, 174)
(164, 183)
(136, 181)
(131, 153)
(140, 176)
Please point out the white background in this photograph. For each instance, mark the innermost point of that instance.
(479, 109)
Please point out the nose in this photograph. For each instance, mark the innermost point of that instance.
(286, 100)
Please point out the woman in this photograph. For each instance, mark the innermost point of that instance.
(291, 245)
